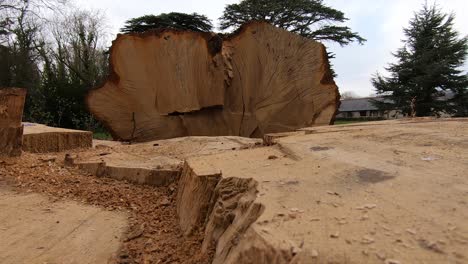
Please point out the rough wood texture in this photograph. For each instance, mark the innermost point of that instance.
(326, 199)
(167, 83)
(43, 139)
(37, 229)
(157, 163)
(11, 112)
(11, 141)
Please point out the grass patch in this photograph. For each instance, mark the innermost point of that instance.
(102, 136)
(344, 121)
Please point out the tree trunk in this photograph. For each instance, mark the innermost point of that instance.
(11, 113)
(169, 83)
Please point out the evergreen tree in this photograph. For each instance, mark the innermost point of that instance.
(308, 18)
(427, 68)
(194, 22)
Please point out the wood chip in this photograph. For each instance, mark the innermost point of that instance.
(392, 261)
(367, 240)
(314, 253)
(366, 206)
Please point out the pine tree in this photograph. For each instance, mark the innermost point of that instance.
(308, 18)
(427, 68)
(194, 22)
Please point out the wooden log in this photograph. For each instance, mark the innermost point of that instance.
(169, 83)
(39, 138)
(11, 141)
(11, 129)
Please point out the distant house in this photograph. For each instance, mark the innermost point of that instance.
(363, 108)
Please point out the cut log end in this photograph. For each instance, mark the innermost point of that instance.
(11, 113)
(259, 80)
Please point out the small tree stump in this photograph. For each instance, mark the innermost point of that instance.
(11, 128)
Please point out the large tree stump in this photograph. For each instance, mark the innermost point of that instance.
(11, 113)
(39, 138)
(169, 83)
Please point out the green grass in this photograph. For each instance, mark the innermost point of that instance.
(102, 136)
(344, 122)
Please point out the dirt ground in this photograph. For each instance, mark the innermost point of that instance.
(153, 235)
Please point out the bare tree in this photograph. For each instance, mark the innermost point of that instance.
(12, 10)
(75, 60)
(57, 52)
(79, 43)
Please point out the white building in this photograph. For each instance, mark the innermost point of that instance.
(363, 108)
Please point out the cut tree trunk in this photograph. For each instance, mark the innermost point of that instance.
(169, 83)
(11, 113)
(39, 138)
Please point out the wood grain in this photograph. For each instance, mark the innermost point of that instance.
(11, 129)
(167, 83)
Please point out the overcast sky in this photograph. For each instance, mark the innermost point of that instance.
(379, 21)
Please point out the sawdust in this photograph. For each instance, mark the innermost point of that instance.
(154, 235)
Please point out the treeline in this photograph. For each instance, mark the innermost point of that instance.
(427, 78)
(57, 53)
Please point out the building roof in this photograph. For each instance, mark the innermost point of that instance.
(365, 104)
(357, 104)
